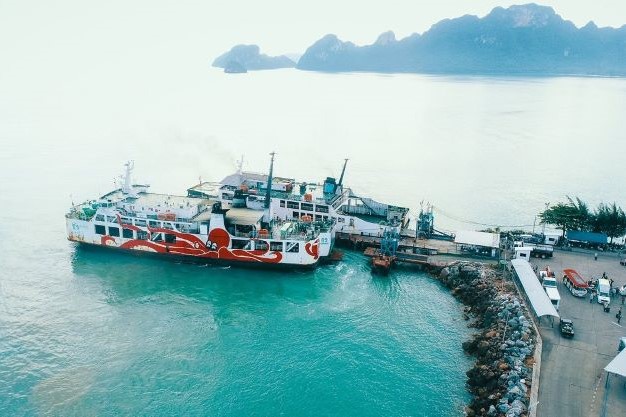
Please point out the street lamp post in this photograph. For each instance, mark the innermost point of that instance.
(544, 223)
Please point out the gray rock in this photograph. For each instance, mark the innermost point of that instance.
(503, 407)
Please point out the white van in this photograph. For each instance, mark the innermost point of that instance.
(550, 239)
(554, 296)
(603, 291)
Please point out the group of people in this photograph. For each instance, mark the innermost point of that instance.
(613, 292)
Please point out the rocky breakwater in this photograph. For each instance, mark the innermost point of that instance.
(501, 377)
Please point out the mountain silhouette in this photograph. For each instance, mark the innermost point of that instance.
(523, 39)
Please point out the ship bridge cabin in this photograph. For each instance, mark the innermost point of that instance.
(326, 202)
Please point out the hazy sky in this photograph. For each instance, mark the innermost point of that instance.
(210, 27)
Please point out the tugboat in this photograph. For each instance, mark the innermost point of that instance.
(385, 258)
(381, 264)
(187, 228)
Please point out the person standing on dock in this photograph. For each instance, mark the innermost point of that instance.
(590, 297)
(595, 256)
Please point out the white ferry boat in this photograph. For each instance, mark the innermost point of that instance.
(291, 200)
(197, 228)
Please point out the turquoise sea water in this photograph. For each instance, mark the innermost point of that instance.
(87, 332)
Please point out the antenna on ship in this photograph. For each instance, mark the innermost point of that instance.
(127, 186)
(240, 166)
(268, 193)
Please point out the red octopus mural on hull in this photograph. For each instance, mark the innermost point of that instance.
(216, 247)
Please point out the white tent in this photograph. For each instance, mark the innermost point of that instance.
(468, 237)
(618, 364)
(532, 287)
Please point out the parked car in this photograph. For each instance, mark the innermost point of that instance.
(567, 328)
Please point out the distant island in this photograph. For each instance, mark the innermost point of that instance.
(243, 58)
(524, 39)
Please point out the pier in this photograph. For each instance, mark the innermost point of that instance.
(405, 244)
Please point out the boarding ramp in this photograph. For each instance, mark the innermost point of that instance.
(535, 295)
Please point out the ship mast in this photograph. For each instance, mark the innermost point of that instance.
(268, 193)
(343, 171)
(127, 187)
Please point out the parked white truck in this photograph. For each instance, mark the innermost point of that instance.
(549, 285)
(603, 289)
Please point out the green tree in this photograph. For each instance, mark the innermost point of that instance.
(583, 218)
(610, 220)
(562, 216)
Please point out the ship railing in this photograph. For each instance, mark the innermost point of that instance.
(78, 215)
(278, 235)
(340, 199)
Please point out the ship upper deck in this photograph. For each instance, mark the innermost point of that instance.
(144, 201)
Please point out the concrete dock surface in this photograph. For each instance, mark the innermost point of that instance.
(573, 382)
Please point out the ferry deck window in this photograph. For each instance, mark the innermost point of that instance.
(140, 223)
(293, 205)
(239, 243)
(321, 209)
(318, 217)
(100, 230)
(261, 245)
(307, 206)
(114, 231)
(152, 223)
(170, 238)
(282, 203)
(127, 233)
(276, 246)
(296, 215)
(112, 219)
(100, 218)
(293, 247)
(141, 235)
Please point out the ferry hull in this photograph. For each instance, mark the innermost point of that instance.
(192, 260)
(215, 247)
